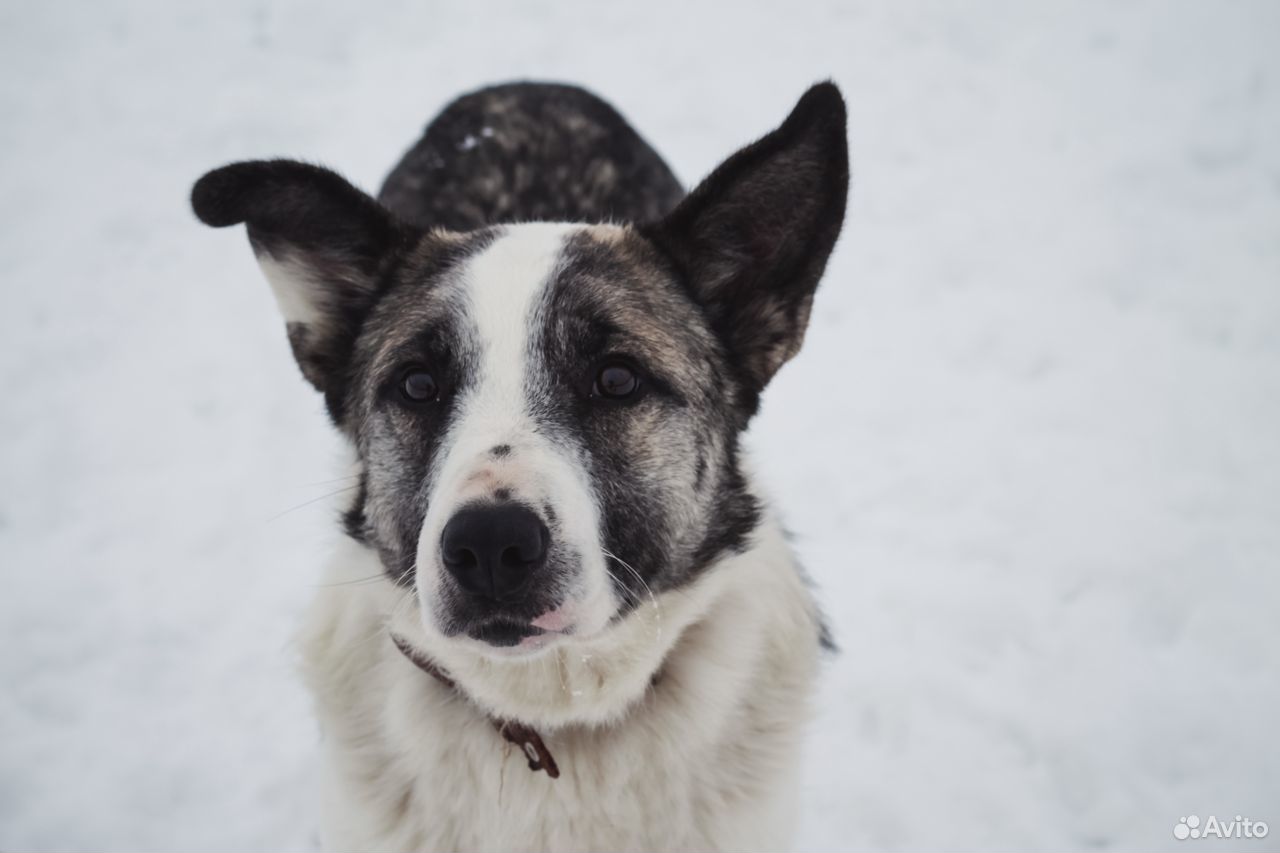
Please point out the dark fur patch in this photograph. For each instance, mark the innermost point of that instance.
(354, 520)
(341, 240)
(525, 152)
(826, 639)
(752, 240)
(612, 298)
(414, 323)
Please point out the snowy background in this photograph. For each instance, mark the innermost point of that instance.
(1031, 450)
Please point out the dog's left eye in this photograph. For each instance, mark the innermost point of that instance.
(615, 381)
(418, 386)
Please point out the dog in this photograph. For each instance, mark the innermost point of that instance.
(564, 615)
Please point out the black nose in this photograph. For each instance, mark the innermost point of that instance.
(492, 550)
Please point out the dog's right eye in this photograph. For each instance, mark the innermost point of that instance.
(616, 381)
(418, 386)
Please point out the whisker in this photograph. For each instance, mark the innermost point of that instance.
(634, 573)
(370, 579)
(630, 595)
(657, 608)
(334, 480)
(310, 502)
(406, 580)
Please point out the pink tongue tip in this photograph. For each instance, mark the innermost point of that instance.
(552, 620)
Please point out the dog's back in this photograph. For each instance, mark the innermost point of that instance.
(529, 152)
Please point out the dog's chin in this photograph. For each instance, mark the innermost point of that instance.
(506, 638)
(503, 634)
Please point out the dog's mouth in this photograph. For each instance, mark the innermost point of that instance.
(503, 633)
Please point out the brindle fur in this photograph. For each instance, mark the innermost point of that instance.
(529, 152)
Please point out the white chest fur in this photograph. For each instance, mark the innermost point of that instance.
(702, 757)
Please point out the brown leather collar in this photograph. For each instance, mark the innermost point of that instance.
(525, 737)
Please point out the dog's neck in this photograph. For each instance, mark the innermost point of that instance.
(525, 737)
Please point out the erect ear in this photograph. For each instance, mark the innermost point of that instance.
(324, 246)
(751, 241)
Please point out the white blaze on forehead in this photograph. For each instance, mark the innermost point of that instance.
(503, 286)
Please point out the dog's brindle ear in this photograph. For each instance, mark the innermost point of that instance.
(324, 246)
(751, 241)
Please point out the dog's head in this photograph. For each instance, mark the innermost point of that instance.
(547, 416)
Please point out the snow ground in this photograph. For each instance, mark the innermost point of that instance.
(1030, 450)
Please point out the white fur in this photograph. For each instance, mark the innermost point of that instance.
(702, 758)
